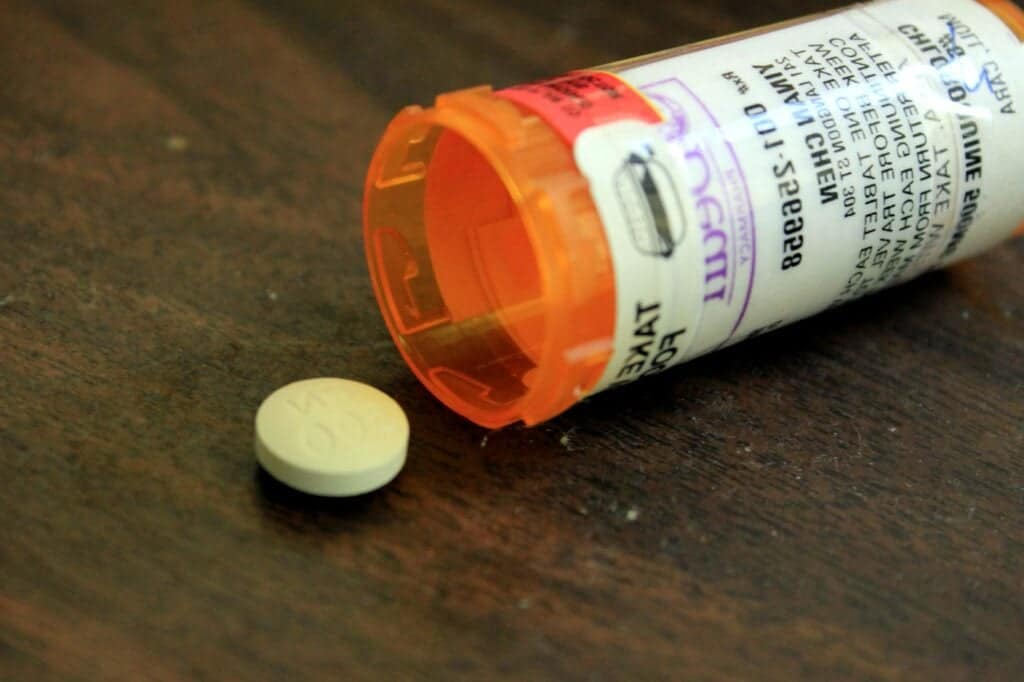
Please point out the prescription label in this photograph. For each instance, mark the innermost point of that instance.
(802, 168)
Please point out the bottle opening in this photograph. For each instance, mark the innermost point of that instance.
(485, 267)
(484, 262)
(458, 275)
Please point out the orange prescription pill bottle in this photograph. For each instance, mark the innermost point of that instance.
(532, 246)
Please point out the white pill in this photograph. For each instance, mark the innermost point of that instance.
(331, 437)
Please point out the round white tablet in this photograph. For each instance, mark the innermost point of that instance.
(331, 437)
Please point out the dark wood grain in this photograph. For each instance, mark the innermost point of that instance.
(179, 235)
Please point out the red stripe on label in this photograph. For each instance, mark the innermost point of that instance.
(581, 100)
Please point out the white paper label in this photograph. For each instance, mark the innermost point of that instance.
(802, 168)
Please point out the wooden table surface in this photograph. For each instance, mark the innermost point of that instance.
(180, 235)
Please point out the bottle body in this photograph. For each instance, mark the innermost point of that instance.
(654, 210)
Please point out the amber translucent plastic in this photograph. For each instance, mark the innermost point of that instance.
(488, 259)
(1009, 12)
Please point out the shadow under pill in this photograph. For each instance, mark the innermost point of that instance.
(296, 509)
